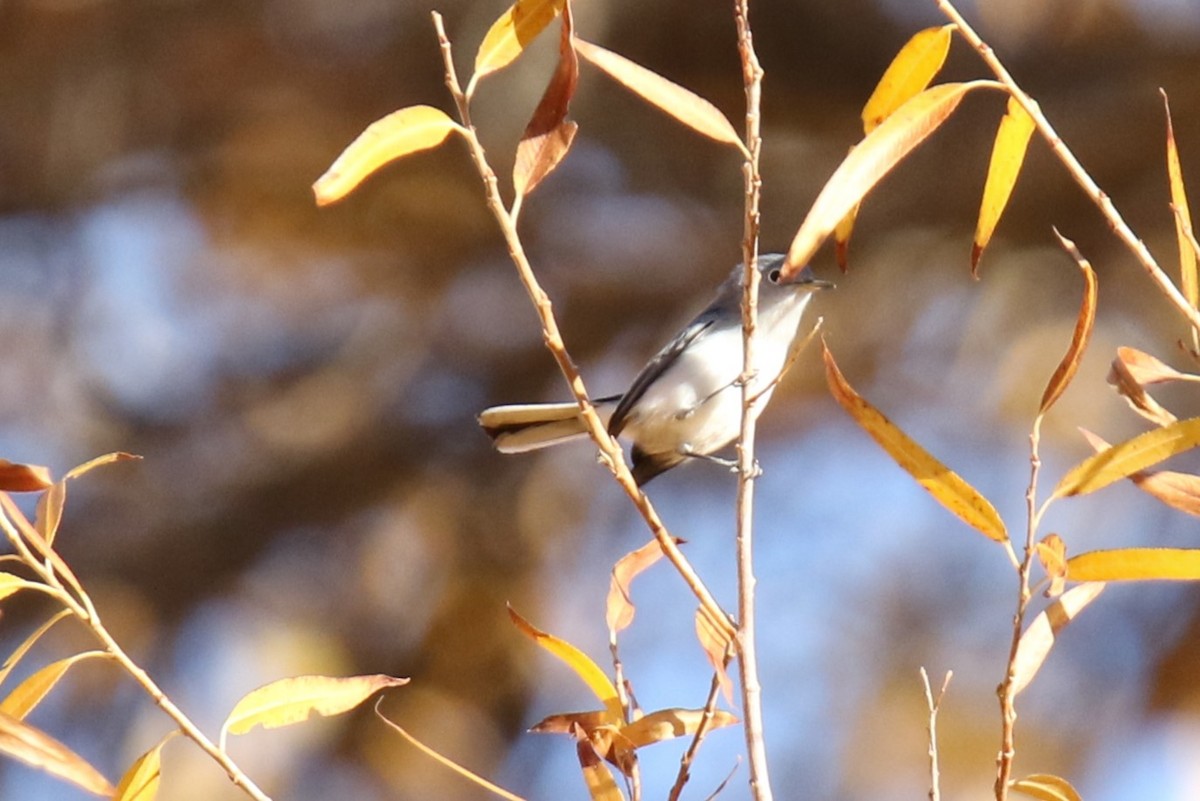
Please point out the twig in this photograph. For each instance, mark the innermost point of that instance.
(610, 451)
(752, 75)
(625, 696)
(934, 704)
(689, 756)
(1102, 201)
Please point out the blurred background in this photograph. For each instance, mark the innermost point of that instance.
(316, 497)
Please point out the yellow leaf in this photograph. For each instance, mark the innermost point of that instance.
(292, 700)
(29, 693)
(1178, 490)
(946, 486)
(36, 748)
(400, 133)
(1052, 553)
(10, 584)
(28, 643)
(1037, 640)
(682, 104)
(1045, 787)
(140, 782)
(1083, 332)
(548, 135)
(512, 32)
(667, 724)
(601, 784)
(1008, 154)
(619, 608)
(16, 477)
(577, 660)
(1183, 218)
(1129, 457)
(870, 160)
(717, 647)
(910, 72)
(1136, 564)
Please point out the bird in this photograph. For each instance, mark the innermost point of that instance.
(686, 403)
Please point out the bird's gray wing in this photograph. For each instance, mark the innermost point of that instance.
(661, 362)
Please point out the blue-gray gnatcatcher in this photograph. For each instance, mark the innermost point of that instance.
(687, 402)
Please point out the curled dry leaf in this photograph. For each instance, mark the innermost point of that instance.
(682, 104)
(16, 477)
(1052, 553)
(718, 648)
(512, 32)
(1046, 787)
(29, 693)
(1146, 369)
(872, 159)
(1039, 638)
(667, 724)
(946, 486)
(577, 660)
(917, 63)
(1122, 379)
(1008, 154)
(548, 135)
(1178, 490)
(1083, 330)
(619, 609)
(1129, 457)
(400, 133)
(36, 748)
(1183, 215)
(1136, 564)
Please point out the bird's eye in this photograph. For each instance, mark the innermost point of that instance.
(773, 276)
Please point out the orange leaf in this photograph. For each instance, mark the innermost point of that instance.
(23, 477)
(1052, 553)
(910, 72)
(718, 648)
(400, 133)
(1183, 218)
(946, 486)
(569, 722)
(682, 104)
(619, 607)
(1129, 457)
(548, 135)
(1045, 787)
(511, 34)
(1136, 564)
(36, 748)
(29, 693)
(1083, 331)
(870, 160)
(1146, 369)
(1038, 639)
(577, 660)
(1008, 154)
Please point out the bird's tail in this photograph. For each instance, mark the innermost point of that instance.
(530, 426)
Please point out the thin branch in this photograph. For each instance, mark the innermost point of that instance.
(689, 756)
(610, 450)
(934, 704)
(1076, 170)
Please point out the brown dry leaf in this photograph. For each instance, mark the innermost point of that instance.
(1183, 215)
(569, 722)
(1083, 330)
(1008, 154)
(29, 693)
(682, 104)
(400, 133)
(1045, 787)
(16, 477)
(1136, 564)
(1129, 457)
(1178, 490)
(910, 72)
(601, 784)
(870, 160)
(619, 609)
(1146, 369)
(946, 486)
(28, 643)
(1052, 553)
(595, 678)
(667, 724)
(141, 780)
(548, 135)
(293, 700)
(511, 34)
(1128, 387)
(36, 748)
(1038, 639)
(718, 648)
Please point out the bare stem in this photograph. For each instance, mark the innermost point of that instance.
(934, 704)
(610, 451)
(689, 756)
(1102, 201)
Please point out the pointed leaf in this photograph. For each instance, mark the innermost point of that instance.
(667, 724)
(1129, 457)
(910, 72)
(718, 648)
(1146, 369)
(28, 643)
(1178, 490)
(292, 700)
(16, 477)
(29, 693)
(601, 784)
(10, 584)
(577, 660)
(140, 782)
(1183, 215)
(1045, 787)
(873, 158)
(682, 104)
(1038, 639)
(570, 722)
(49, 510)
(1136, 564)
(1052, 553)
(400, 133)
(946, 486)
(512, 32)
(548, 135)
(619, 607)
(1008, 154)
(1083, 331)
(1121, 376)
(100, 461)
(36, 748)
